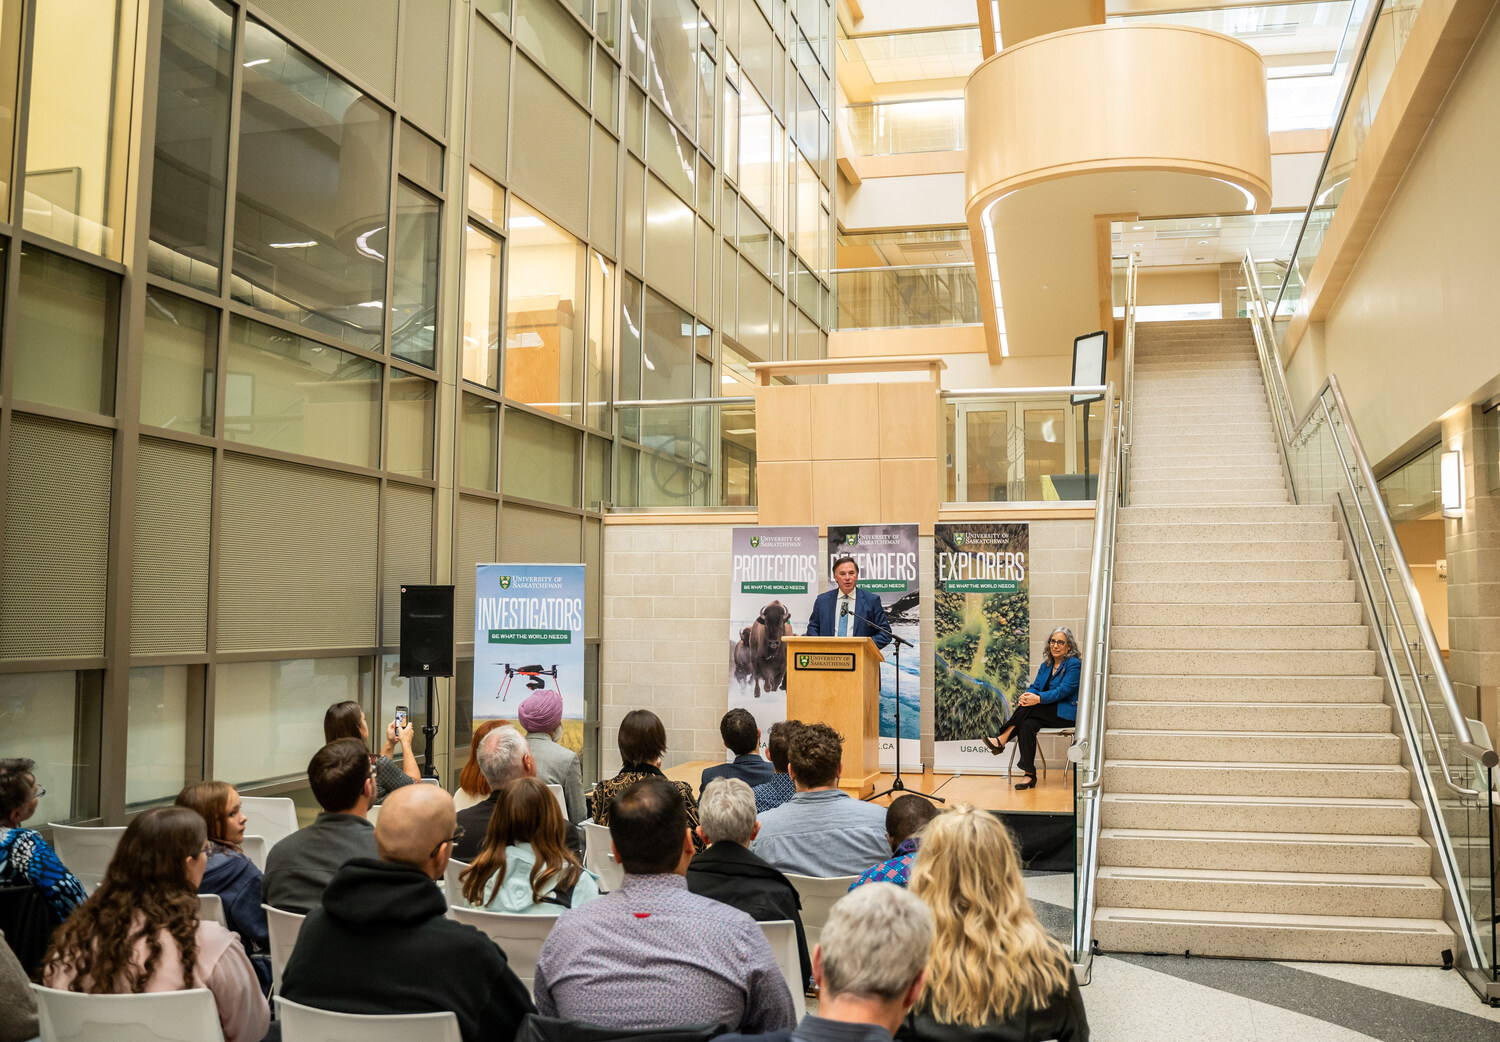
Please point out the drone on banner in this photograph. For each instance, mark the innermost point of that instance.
(533, 673)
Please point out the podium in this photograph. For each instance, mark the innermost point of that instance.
(836, 681)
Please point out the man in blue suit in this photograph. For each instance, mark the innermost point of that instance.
(829, 618)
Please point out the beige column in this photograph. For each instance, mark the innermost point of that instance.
(1473, 547)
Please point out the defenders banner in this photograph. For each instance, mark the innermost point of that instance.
(528, 636)
(982, 658)
(774, 580)
(887, 559)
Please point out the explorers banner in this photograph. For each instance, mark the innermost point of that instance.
(773, 582)
(528, 635)
(887, 559)
(982, 638)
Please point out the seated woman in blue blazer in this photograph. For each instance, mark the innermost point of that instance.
(1050, 701)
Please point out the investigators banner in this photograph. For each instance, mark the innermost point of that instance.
(773, 582)
(982, 631)
(528, 636)
(887, 559)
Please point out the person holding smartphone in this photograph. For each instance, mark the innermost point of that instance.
(347, 720)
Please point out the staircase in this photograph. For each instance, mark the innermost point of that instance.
(1254, 802)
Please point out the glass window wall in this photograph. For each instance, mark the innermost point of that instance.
(543, 334)
(165, 734)
(540, 459)
(413, 402)
(180, 363)
(53, 718)
(599, 377)
(65, 334)
(556, 39)
(478, 462)
(481, 346)
(415, 277)
(268, 716)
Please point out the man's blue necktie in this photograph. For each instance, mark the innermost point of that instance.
(843, 620)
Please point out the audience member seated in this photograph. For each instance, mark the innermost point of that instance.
(525, 866)
(25, 857)
(230, 873)
(780, 788)
(904, 819)
(381, 943)
(503, 757)
(472, 788)
(541, 718)
(741, 737)
(994, 975)
(347, 720)
(643, 743)
(299, 866)
(728, 872)
(17, 1004)
(140, 931)
(651, 954)
(869, 968)
(822, 830)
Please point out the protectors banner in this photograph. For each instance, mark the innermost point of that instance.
(982, 631)
(773, 581)
(887, 559)
(528, 636)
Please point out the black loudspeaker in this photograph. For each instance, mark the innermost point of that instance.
(426, 631)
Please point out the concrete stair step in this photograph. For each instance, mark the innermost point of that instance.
(1274, 851)
(1207, 497)
(1201, 446)
(1150, 412)
(1229, 571)
(1293, 893)
(1219, 531)
(1183, 353)
(1249, 746)
(1210, 386)
(1158, 467)
(1331, 815)
(1224, 550)
(1242, 688)
(1244, 663)
(1247, 637)
(1231, 592)
(1263, 716)
(1261, 935)
(1267, 516)
(1380, 781)
(1245, 362)
(1209, 615)
(1144, 483)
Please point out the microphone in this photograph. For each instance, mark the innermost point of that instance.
(844, 608)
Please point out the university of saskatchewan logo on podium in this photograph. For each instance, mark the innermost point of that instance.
(803, 661)
(754, 541)
(504, 582)
(958, 539)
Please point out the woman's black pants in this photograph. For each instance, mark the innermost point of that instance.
(1027, 721)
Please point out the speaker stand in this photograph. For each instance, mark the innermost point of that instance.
(430, 729)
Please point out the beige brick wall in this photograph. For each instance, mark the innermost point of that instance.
(665, 638)
(1473, 548)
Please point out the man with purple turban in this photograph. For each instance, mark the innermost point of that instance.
(540, 716)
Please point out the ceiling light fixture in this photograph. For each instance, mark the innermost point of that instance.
(255, 62)
(293, 245)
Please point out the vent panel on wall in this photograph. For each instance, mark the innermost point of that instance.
(551, 135)
(424, 64)
(169, 580)
(360, 35)
(473, 544)
(529, 535)
(489, 100)
(296, 557)
(408, 550)
(56, 550)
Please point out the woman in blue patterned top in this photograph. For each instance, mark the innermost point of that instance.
(25, 857)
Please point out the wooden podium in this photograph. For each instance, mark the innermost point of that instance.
(836, 681)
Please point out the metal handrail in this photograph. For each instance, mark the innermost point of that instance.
(1025, 392)
(648, 403)
(1276, 380)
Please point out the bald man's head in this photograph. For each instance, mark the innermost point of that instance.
(414, 820)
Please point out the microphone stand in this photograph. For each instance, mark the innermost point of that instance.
(897, 785)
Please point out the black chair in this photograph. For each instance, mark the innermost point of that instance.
(537, 1028)
(27, 922)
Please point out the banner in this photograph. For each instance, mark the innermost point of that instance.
(528, 636)
(773, 583)
(887, 559)
(982, 657)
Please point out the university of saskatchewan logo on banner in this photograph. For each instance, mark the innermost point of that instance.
(755, 541)
(504, 582)
(850, 538)
(803, 661)
(958, 539)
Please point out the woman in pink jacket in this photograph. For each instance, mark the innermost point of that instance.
(140, 930)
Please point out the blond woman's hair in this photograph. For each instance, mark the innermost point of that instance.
(991, 959)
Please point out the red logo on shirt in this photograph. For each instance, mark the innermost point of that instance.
(643, 915)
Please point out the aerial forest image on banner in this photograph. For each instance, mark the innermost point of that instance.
(983, 627)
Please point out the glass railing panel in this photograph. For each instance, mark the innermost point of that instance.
(891, 298)
(686, 456)
(903, 127)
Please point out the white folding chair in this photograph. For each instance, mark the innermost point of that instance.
(373, 813)
(453, 890)
(86, 851)
(818, 896)
(211, 908)
(520, 937)
(304, 1024)
(283, 928)
(782, 935)
(599, 859)
(163, 1016)
(274, 817)
(562, 800)
(255, 848)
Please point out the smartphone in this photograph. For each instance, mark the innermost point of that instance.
(400, 718)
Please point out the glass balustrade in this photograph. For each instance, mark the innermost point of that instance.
(903, 297)
(685, 454)
(900, 127)
(1020, 449)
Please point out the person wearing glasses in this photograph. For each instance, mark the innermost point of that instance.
(380, 941)
(1050, 701)
(140, 931)
(25, 857)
